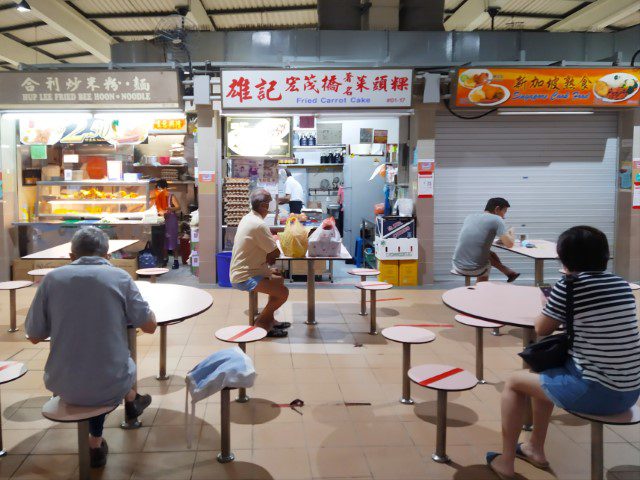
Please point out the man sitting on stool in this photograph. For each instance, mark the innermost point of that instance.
(473, 255)
(293, 194)
(254, 250)
(85, 307)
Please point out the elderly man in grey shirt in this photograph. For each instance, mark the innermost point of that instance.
(86, 307)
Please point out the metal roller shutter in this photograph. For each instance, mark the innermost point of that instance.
(556, 171)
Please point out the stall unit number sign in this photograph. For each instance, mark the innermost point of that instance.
(350, 88)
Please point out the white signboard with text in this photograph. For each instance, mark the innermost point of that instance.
(317, 88)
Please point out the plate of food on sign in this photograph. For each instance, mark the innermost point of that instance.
(474, 77)
(616, 87)
(489, 94)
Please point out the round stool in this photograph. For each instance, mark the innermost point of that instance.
(467, 278)
(363, 273)
(634, 286)
(57, 410)
(39, 272)
(9, 371)
(630, 417)
(373, 287)
(241, 334)
(12, 287)
(407, 336)
(443, 378)
(152, 273)
(478, 325)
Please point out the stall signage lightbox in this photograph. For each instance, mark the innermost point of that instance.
(95, 89)
(318, 88)
(547, 87)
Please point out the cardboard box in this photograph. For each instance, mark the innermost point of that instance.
(388, 226)
(388, 271)
(396, 248)
(408, 273)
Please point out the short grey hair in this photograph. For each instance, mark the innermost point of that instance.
(90, 242)
(258, 196)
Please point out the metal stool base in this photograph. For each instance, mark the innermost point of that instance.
(11, 330)
(311, 323)
(243, 398)
(130, 424)
(162, 377)
(374, 332)
(482, 381)
(527, 428)
(440, 459)
(407, 401)
(226, 459)
(3, 453)
(495, 332)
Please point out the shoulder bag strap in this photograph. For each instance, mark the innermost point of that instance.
(569, 282)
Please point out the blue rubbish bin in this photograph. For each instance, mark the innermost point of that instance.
(223, 264)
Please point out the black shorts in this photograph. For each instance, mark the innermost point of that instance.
(295, 206)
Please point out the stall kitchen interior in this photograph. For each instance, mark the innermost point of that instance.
(319, 239)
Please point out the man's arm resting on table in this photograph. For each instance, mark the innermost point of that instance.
(150, 325)
(508, 239)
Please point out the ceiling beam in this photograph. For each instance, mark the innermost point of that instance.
(596, 16)
(16, 53)
(73, 25)
(197, 13)
(240, 11)
(117, 15)
(21, 26)
(469, 16)
(542, 16)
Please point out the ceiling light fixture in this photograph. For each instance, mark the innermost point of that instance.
(23, 6)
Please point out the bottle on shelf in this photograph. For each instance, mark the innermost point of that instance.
(304, 141)
(312, 139)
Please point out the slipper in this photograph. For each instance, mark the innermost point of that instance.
(282, 325)
(521, 455)
(490, 457)
(277, 333)
(512, 278)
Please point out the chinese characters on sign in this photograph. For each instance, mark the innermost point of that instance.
(316, 88)
(545, 87)
(109, 88)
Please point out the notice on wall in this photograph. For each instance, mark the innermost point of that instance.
(636, 197)
(380, 136)
(206, 176)
(366, 135)
(329, 134)
(426, 172)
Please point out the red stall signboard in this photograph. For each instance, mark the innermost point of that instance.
(317, 88)
(548, 87)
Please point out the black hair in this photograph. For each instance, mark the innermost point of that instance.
(583, 249)
(496, 202)
(287, 172)
(162, 183)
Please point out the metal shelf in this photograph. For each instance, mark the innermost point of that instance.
(313, 165)
(316, 147)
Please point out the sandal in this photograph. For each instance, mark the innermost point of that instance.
(277, 333)
(282, 325)
(521, 455)
(490, 457)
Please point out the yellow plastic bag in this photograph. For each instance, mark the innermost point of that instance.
(293, 240)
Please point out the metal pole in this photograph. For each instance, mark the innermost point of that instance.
(242, 392)
(133, 351)
(12, 311)
(597, 451)
(163, 353)
(372, 308)
(225, 454)
(528, 336)
(83, 450)
(153, 279)
(441, 429)
(363, 298)
(2, 450)
(467, 281)
(311, 293)
(406, 365)
(480, 355)
(539, 271)
(253, 307)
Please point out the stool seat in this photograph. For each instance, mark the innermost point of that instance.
(454, 272)
(442, 377)
(59, 411)
(40, 272)
(241, 334)
(629, 417)
(372, 285)
(476, 322)
(10, 371)
(15, 284)
(413, 335)
(364, 272)
(145, 272)
(634, 286)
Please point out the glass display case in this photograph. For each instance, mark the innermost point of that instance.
(91, 199)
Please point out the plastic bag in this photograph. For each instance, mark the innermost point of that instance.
(326, 240)
(293, 241)
(378, 209)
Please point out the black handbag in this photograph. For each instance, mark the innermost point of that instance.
(553, 351)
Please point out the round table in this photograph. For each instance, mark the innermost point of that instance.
(407, 336)
(12, 287)
(152, 273)
(40, 272)
(503, 303)
(9, 371)
(172, 304)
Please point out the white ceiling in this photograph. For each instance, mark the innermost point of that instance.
(79, 31)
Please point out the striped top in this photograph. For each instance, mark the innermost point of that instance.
(606, 343)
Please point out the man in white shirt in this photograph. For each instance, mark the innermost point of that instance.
(254, 251)
(293, 194)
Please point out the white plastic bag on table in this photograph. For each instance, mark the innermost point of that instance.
(229, 368)
(326, 240)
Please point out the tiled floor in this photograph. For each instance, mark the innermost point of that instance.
(320, 365)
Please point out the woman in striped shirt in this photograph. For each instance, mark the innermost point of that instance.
(602, 374)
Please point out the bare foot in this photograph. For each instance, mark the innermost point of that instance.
(535, 455)
(500, 465)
